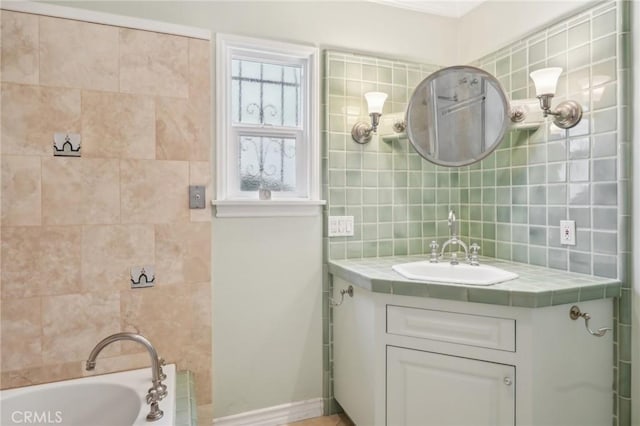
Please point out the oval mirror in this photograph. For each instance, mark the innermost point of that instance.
(457, 116)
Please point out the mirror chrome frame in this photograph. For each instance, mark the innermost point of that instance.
(418, 98)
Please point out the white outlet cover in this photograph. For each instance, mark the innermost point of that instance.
(568, 232)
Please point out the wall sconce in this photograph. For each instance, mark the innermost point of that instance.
(361, 131)
(568, 113)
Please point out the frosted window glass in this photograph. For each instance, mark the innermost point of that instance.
(272, 104)
(291, 75)
(235, 67)
(267, 163)
(291, 109)
(249, 69)
(249, 112)
(272, 72)
(235, 109)
(264, 93)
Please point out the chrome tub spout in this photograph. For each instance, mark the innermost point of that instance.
(157, 391)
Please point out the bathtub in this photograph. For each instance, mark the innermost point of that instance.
(117, 399)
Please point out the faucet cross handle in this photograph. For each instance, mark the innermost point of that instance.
(161, 363)
(474, 248)
(156, 393)
(434, 252)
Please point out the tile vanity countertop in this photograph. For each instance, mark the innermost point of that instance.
(536, 286)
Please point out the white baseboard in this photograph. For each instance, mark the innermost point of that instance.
(274, 416)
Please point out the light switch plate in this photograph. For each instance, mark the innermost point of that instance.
(196, 196)
(340, 226)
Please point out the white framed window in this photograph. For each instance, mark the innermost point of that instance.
(267, 105)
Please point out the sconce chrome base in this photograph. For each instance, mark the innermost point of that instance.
(362, 131)
(399, 126)
(566, 115)
(518, 114)
(569, 113)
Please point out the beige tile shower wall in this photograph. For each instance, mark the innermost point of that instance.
(72, 227)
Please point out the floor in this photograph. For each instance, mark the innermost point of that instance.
(335, 420)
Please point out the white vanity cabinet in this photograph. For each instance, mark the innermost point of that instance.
(420, 385)
(419, 361)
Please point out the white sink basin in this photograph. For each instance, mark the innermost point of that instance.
(444, 272)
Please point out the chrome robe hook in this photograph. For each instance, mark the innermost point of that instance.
(575, 313)
(348, 290)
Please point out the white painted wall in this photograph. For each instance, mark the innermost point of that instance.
(635, 309)
(495, 24)
(266, 312)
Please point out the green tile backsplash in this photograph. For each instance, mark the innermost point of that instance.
(511, 202)
(551, 174)
(385, 185)
(534, 179)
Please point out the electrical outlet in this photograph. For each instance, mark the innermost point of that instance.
(568, 232)
(340, 226)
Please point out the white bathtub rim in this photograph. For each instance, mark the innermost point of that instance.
(168, 405)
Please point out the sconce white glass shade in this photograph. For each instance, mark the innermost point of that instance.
(568, 113)
(546, 80)
(375, 101)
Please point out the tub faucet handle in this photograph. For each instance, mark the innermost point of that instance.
(161, 363)
(151, 396)
(156, 393)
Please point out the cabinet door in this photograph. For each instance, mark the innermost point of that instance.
(430, 389)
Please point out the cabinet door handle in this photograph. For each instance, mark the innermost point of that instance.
(507, 381)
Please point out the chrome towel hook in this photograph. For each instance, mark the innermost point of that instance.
(575, 313)
(348, 290)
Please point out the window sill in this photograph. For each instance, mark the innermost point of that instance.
(268, 208)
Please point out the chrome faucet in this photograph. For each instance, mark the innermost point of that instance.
(454, 240)
(453, 223)
(158, 391)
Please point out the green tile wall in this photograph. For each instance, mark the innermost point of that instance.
(511, 202)
(392, 193)
(518, 195)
